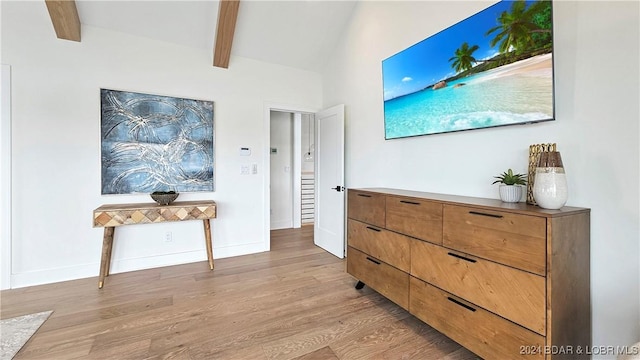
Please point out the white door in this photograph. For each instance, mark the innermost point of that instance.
(329, 221)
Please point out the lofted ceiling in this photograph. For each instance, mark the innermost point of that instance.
(299, 33)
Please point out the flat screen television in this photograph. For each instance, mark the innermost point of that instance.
(494, 68)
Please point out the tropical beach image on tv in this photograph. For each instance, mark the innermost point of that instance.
(494, 68)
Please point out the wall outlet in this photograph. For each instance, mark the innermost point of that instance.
(244, 169)
(168, 236)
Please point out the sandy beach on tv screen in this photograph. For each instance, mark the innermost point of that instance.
(538, 66)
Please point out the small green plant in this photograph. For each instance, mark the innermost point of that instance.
(509, 178)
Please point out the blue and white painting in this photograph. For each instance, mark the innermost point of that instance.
(494, 68)
(155, 143)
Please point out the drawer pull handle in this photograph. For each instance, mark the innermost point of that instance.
(485, 214)
(372, 228)
(461, 257)
(364, 195)
(373, 261)
(409, 202)
(461, 304)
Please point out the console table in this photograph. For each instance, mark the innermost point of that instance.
(110, 216)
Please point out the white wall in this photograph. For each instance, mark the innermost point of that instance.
(281, 170)
(56, 144)
(5, 177)
(597, 132)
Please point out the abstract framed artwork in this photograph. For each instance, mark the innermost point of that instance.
(494, 68)
(155, 143)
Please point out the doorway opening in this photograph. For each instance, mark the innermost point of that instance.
(328, 154)
(292, 168)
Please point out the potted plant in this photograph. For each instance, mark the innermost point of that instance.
(511, 186)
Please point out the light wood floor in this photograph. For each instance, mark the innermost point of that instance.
(295, 302)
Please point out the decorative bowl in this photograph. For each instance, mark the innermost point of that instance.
(164, 197)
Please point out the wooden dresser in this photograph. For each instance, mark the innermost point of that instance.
(504, 280)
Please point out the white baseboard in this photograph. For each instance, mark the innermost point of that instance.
(125, 265)
(282, 224)
(238, 250)
(49, 276)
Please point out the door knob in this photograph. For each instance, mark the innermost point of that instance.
(338, 188)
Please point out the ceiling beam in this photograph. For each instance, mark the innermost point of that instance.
(227, 16)
(65, 19)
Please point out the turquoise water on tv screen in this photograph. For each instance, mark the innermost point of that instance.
(492, 98)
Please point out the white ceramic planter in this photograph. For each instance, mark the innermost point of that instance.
(511, 193)
(550, 188)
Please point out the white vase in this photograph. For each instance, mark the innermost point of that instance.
(550, 182)
(510, 193)
(550, 188)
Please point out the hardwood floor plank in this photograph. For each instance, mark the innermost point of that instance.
(38, 350)
(322, 354)
(375, 342)
(124, 349)
(133, 307)
(294, 302)
(284, 318)
(253, 352)
(180, 354)
(362, 313)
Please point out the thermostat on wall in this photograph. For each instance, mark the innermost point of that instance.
(245, 151)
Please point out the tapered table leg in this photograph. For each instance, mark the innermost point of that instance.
(110, 248)
(105, 262)
(207, 239)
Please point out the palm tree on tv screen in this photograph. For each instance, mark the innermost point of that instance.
(518, 26)
(463, 57)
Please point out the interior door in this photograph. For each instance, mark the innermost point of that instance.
(329, 186)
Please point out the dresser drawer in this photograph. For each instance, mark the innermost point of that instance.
(415, 217)
(511, 293)
(385, 279)
(392, 248)
(480, 331)
(366, 207)
(511, 239)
